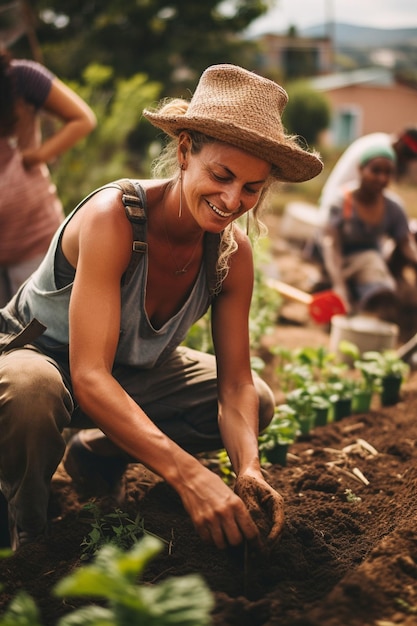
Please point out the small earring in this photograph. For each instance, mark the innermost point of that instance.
(180, 207)
(247, 222)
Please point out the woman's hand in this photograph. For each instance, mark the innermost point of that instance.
(219, 515)
(31, 157)
(266, 507)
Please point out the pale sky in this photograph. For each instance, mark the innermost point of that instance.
(303, 13)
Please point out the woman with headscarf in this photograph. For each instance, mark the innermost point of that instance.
(362, 217)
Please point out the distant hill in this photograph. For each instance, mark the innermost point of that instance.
(350, 35)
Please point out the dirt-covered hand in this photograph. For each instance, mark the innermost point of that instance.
(265, 505)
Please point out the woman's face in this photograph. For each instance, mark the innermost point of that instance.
(377, 174)
(221, 183)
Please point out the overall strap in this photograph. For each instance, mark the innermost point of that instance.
(347, 205)
(134, 201)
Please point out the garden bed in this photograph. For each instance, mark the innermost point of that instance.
(348, 554)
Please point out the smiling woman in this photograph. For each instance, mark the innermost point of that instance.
(117, 307)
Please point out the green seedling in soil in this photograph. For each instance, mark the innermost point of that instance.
(116, 528)
(351, 497)
(225, 467)
(406, 606)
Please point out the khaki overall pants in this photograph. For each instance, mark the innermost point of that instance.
(180, 396)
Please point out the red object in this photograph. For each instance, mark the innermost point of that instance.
(322, 305)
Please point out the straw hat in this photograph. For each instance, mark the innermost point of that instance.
(243, 109)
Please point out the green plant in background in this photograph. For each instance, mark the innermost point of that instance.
(225, 467)
(392, 371)
(321, 406)
(307, 113)
(199, 336)
(266, 302)
(106, 150)
(305, 366)
(111, 528)
(387, 363)
(262, 316)
(341, 389)
(281, 433)
(301, 400)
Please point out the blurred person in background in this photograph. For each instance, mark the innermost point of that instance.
(30, 209)
(346, 169)
(361, 217)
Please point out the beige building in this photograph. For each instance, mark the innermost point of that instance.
(366, 101)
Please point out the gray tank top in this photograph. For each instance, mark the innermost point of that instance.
(140, 344)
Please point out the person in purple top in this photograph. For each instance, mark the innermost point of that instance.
(30, 209)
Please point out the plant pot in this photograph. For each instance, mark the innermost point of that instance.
(340, 408)
(390, 392)
(278, 455)
(321, 415)
(361, 401)
(306, 423)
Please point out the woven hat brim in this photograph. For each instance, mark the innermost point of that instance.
(295, 165)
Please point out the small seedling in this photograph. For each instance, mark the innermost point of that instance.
(116, 528)
(225, 467)
(406, 606)
(351, 497)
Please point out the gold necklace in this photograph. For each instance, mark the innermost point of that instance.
(184, 269)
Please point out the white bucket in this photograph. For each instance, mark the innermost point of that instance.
(365, 331)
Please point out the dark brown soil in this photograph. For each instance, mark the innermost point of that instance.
(339, 563)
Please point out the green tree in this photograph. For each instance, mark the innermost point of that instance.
(170, 42)
(307, 113)
(106, 154)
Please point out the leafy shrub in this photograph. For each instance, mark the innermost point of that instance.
(112, 577)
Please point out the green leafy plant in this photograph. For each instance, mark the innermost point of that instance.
(342, 388)
(115, 528)
(282, 431)
(22, 611)
(306, 366)
(113, 576)
(262, 316)
(386, 363)
(225, 467)
(351, 497)
(301, 400)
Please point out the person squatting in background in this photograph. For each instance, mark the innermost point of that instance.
(117, 310)
(30, 209)
(362, 217)
(346, 170)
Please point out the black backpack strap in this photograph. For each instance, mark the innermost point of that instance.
(134, 201)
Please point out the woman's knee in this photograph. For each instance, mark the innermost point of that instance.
(31, 386)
